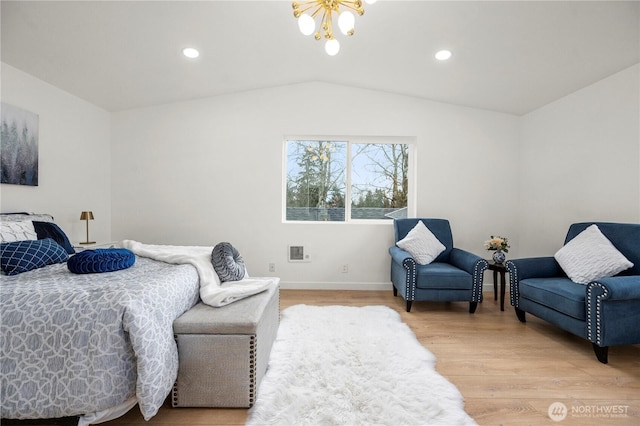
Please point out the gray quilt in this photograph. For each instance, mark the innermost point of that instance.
(77, 344)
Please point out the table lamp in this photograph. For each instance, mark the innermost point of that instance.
(87, 216)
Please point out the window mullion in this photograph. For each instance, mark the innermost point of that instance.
(347, 201)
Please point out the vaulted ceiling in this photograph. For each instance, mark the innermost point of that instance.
(508, 56)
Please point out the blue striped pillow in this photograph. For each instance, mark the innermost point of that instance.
(22, 256)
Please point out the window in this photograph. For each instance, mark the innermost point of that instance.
(373, 174)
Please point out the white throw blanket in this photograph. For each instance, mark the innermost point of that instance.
(212, 291)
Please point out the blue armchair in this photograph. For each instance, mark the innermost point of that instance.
(455, 275)
(606, 312)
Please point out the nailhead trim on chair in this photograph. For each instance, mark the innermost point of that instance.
(476, 290)
(514, 290)
(598, 311)
(410, 265)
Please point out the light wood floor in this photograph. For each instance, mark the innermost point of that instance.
(508, 372)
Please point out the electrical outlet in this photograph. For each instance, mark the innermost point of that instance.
(345, 268)
(272, 267)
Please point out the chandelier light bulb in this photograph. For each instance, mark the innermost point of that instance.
(306, 24)
(346, 22)
(332, 47)
(370, 1)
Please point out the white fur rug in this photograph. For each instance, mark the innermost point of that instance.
(340, 365)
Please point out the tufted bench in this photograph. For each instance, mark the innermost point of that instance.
(224, 352)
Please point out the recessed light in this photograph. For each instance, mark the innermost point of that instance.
(443, 55)
(190, 52)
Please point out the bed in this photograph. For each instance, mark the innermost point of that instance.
(91, 345)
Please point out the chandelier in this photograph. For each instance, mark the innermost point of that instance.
(307, 11)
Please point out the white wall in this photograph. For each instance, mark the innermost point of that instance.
(74, 157)
(580, 161)
(210, 170)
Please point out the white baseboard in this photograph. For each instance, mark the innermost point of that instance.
(297, 285)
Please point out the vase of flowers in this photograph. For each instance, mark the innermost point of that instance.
(500, 246)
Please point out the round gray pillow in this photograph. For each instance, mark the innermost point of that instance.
(227, 262)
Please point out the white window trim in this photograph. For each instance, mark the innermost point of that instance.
(412, 195)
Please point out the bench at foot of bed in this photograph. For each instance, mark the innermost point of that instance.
(224, 352)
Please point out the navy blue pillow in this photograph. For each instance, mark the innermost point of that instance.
(23, 256)
(53, 231)
(101, 260)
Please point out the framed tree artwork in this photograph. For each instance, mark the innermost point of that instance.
(19, 146)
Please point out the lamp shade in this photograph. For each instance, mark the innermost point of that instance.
(86, 215)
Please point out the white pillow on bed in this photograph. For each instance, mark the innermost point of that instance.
(17, 231)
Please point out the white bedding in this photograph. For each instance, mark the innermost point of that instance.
(212, 291)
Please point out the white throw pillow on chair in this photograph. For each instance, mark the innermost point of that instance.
(590, 256)
(421, 244)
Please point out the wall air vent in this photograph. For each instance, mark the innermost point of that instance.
(297, 254)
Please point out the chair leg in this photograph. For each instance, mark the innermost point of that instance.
(602, 353)
(472, 307)
(409, 302)
(395, 291)
(520, 315)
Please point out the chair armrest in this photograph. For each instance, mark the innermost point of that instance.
(534, 267)
(615, 288)
(400, 256)
(613, 310)
(474, 265)
(464, 260)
